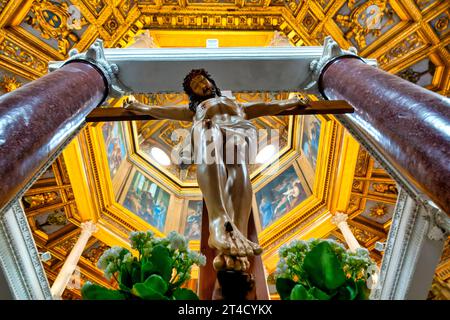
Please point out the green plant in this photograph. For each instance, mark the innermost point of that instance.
(157, 273)
(322, 270)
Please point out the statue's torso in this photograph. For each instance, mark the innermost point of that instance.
(223, 115)
(218, 108)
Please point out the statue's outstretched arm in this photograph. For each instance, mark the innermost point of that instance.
(261, 109)
(177, 112)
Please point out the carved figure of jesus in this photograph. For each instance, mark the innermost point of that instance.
(225, 186)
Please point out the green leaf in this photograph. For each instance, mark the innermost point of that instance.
(148, 269)
(300, 293)
(349, 291)
(125, 278)
(284, 287)
(161, 262)
(363, 291)
(156, 283)
(153, 288)
(124, 288)
(146, 293)
(136, 272)
(323, 267)
(319, 294)
(95, 292)
(184, 294)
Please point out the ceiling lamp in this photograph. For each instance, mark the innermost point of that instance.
(160, 156)
(266, 153)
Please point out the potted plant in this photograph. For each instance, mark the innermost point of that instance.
(158, 271)
(322, 270)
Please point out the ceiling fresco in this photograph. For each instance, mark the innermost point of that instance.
(295, 192)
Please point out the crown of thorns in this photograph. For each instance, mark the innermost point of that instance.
(191, 75)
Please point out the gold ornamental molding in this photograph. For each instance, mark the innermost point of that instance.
(418, 29)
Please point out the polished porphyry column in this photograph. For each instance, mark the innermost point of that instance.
(37, 119)
(409, 126)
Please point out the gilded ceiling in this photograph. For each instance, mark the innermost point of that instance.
(108, 173)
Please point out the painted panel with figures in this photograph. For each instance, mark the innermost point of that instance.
(279, 196)
(310, 139)
(146, 199)
(192, 229)
(115, 145)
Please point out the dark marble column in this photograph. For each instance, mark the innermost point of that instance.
(408, 124)
(38, 118)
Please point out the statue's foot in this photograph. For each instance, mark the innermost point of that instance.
(227, 262)
(226, 237)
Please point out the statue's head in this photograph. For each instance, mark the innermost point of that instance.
(199, 86)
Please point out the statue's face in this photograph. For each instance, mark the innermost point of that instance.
(201, 86)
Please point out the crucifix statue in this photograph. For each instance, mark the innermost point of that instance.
(232, 247)
(225, 185)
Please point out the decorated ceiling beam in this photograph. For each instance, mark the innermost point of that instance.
(408, 31)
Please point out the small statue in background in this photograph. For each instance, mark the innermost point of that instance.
(37, 200)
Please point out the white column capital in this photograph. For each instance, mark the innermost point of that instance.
(439, 222)
(338, 218)
(89, 227)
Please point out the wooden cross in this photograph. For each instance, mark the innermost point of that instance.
(315, 107)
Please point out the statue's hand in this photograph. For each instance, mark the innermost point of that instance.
(128, 102)
(301, 101)
(131, 103)
(297, 101)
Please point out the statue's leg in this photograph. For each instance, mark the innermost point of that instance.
(211, 177)
(239, 188)
(240, 193)
(238, 199)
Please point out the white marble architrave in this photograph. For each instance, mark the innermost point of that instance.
(22, 274)
(159, 70)
(413, 250)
